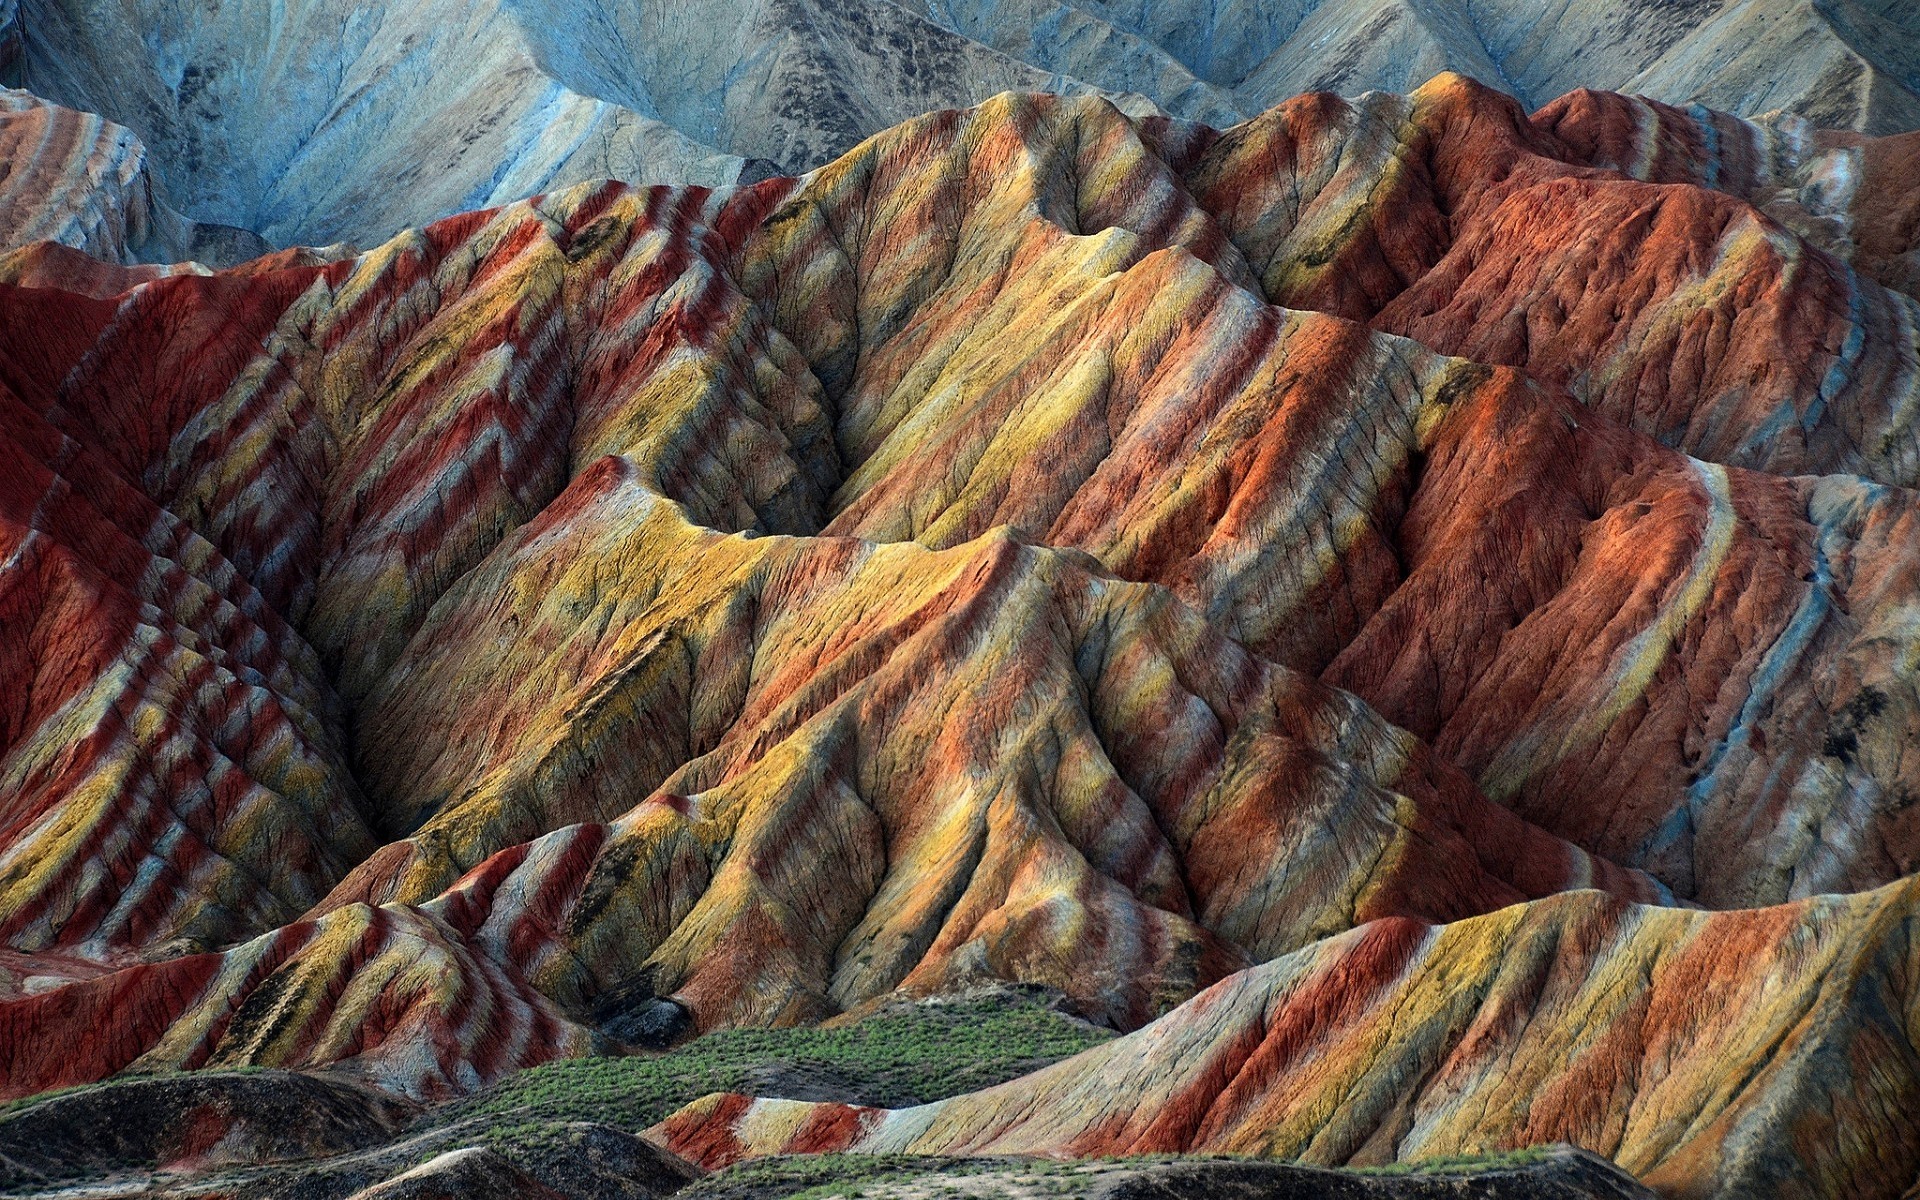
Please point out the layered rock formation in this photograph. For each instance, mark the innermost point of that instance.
(76, 180)
(1644, 1034)
(1843, 65)
(1042, 545)
(319, 121)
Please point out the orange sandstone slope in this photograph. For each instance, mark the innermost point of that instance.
(947, 565)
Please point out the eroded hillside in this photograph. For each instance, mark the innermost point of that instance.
(1043, 546)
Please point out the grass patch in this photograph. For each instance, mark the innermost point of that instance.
(870, 1177)
(912, 1054)
(1462, 1164)
(818, 1175)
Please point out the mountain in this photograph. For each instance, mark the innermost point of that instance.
(75, 180)
(1646, 1035)
(318, 121)
(1373, 572)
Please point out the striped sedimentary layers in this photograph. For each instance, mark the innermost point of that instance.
(1443, 216)
(322, 120)
(1644, 1034)
(1542, 593)
(172, 770)
(954, 563)
(1843, 192)
(77, 180)
(72, 177)
(1006, 765)
(385, 995)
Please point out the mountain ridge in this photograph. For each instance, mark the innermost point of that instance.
(1044, 545)
(523, 96)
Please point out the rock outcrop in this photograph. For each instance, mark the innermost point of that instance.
(12, 48)
(76, 180)
(1043, 545)
(1646, 1035)
(320, 121)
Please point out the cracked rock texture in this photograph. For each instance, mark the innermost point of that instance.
(1332, 594)
(316, 121)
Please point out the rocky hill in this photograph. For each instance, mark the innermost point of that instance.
(1338, 596)
(1646, 1035)
(315, 121)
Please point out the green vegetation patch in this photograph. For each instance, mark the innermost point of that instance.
(1464, 1164)
(815, 1175)
(906, 1055)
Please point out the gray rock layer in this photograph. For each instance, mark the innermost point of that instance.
(318, 121)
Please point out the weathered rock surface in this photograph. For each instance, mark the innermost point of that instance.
(322, 121)
(1042, 545)
(1646, 1035)
(12, 49)
(74, 179)
(1842, 65)
(319, 121)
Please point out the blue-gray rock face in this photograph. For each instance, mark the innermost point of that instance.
(316, 121)
(10, 55)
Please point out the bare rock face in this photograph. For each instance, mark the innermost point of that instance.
(324, 121)
(1327, 594)
(78, 181)
(1848, 65)
(320, 121)
(12, 49)
(1574, 1019)
(74, 179)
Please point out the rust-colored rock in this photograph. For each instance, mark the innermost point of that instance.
(1762, 1052)
(955, 564)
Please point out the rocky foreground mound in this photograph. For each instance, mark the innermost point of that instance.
(566, 1129)
(1041, 546)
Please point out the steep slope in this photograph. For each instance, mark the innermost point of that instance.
(1671, 327)
(1428, 214)
(1841, 65)
(1767, 1052)
(76, 180)
(1838, 190)
(319, 121)
(389, 997)
(12, 50)
(712, 608)
(71, 180)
